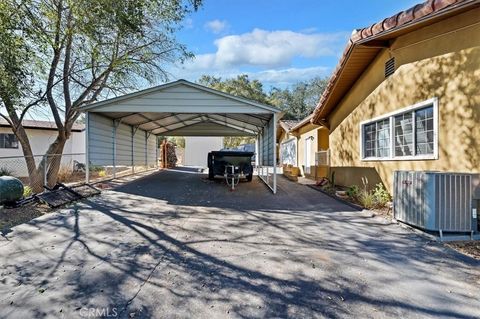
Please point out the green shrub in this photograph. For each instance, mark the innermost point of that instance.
(353, 191)
(5, 171)
(367, 199)
(381, 195)
(27, 191)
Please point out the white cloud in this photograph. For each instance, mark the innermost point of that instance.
(268, 49)
(216, 26)
(271, 77)
(269, 56)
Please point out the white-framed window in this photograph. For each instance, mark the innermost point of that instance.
(8, 140)
(407, 134)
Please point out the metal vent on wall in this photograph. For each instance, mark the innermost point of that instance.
(389, 67)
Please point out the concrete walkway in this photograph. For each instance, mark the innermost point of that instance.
(175, 245)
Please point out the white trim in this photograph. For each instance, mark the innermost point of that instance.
(87, 153)
(390, 116)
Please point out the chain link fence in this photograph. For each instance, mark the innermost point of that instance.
(45, 170)
(68, 169)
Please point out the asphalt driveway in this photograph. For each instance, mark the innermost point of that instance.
(175, 245)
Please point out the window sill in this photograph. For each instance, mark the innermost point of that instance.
(405, 158)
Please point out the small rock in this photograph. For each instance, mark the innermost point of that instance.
(41, 290)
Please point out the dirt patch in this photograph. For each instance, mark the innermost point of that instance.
(469, 248)
(10, 217)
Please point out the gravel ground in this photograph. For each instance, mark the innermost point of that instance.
(172, 245)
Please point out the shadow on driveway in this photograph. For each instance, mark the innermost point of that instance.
(175, 244)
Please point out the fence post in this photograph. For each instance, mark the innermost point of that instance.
(45, 169)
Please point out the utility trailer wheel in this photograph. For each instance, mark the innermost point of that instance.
(249, 177)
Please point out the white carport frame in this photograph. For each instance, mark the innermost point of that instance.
(179, 108)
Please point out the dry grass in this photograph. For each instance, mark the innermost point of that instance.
(470, 248)
(64, 174)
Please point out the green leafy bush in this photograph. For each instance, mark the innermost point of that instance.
(27, 191)
(381, 195)
(353, 192)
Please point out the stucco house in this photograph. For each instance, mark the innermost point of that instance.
(303, 144)
(405, 95)
(312, 144)
(287, 143)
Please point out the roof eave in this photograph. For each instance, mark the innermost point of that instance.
(322, 111)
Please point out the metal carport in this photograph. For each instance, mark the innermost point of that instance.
(121, 132)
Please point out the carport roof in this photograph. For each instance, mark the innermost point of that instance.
(183, 108)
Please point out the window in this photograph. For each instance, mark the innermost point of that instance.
(377, 139)
(8, 141)
(410, 133)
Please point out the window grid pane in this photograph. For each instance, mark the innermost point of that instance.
(424, 131)
(404, 134)
(383, 138)
(370, 140)
(377, 139)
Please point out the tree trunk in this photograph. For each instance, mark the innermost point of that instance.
(51, 160)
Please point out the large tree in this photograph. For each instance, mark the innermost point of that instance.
(241, 86)
(60, 55)
(300, 100)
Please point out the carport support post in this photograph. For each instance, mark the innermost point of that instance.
(87, 153)
(114, 149)
(131, 149)
(274, 153)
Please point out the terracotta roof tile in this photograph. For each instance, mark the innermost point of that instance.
(289, 123)
(397, 20)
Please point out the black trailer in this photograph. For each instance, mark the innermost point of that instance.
(223, 163)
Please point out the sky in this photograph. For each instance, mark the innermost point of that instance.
(279, 42)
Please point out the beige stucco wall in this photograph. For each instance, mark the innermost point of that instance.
(436, 61)
(319, 136)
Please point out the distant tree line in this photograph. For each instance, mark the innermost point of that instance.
(297, 101)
